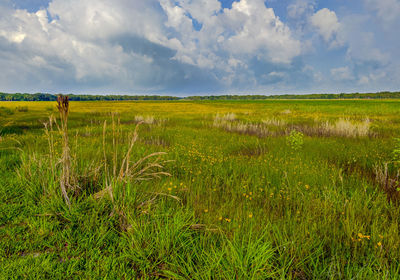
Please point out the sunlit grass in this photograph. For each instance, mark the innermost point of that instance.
(237, 204)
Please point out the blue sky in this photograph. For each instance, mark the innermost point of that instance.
(187, 47)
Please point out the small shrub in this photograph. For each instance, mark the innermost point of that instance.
(295, 140)
(396, 152)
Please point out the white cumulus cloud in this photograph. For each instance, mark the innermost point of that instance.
(326, 23)
(133, 42)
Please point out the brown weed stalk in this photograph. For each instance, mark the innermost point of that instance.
(65, 178)
(389, 184)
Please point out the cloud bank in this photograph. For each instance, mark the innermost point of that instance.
(195, 47)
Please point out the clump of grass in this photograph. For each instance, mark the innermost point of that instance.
(145, 120)
(286, 112)
(117, 164)
(346, 128)
(6, 111)
(389, 184)
(22, 109)
(121, 168)
(388, 175)
(243, 128)
(230, 123)
(229, 117)
(274, 122)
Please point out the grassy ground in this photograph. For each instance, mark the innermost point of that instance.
(245, 199)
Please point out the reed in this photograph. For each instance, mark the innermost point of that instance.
(65, 178)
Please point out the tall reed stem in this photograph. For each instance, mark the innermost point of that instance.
(63, 108)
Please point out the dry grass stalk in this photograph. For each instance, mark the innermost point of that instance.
(48, 129)
(142, 169)
(390, 185)
(65, 178)
(108, 188)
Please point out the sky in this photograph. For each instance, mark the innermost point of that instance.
(199, 47)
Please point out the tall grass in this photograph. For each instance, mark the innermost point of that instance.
(235, 206)
(123, 168)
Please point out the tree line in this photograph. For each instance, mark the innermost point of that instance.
(83, 97)
(377, 95)
(80, 97)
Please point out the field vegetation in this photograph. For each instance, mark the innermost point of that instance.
(277, 189)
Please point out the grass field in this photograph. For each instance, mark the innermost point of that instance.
(245, 190)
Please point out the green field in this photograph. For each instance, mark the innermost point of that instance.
(278, 189)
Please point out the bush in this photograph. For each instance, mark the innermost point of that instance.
(396, 152)
(295, 140)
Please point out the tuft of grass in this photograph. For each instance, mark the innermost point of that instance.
(346, 128)
(22, 109)
(123, 168)
(274, 122)
(230, 123)
(145, 120)
(229, 117)
(389, 184)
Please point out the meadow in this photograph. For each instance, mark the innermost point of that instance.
(272, 189)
